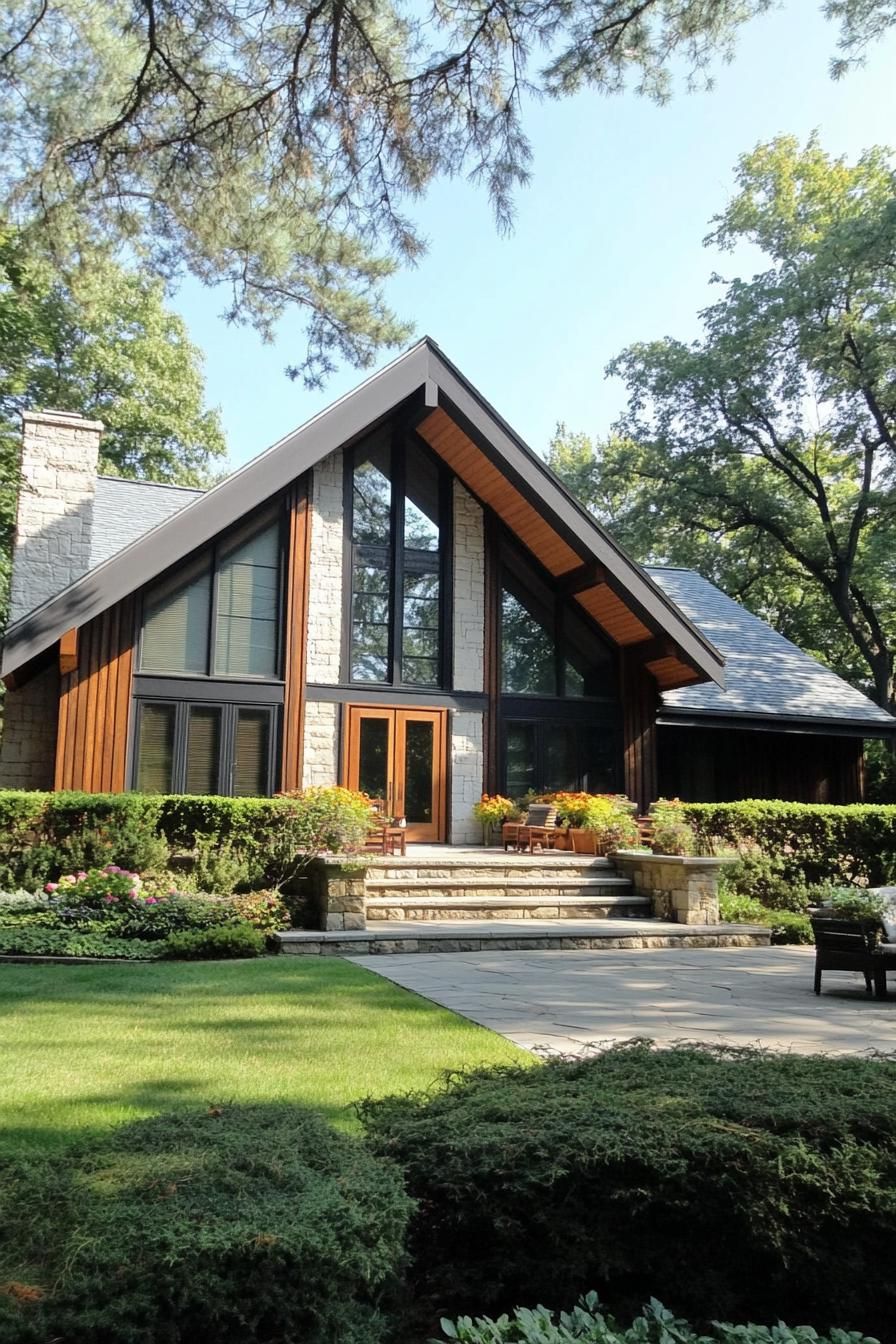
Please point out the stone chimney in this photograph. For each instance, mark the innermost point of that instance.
(60, 453)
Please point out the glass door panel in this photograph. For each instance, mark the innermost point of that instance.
(374, 758)
(399, 755)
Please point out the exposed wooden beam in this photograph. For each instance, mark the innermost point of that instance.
(586, 576)
(68, 652)
(652, 650)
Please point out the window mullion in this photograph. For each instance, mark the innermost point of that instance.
(213, 616)
(396, 603)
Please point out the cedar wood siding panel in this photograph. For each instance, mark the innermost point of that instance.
(94, 705)
(296, 631)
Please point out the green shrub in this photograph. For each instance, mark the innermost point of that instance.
(264, 910)
(232, 940)
(43, 942)
(787, 926)
(854, 844)
(44, 835)
(172, 914)
(587, 1322)
(237, 1225)
(731, 1183)
(853, 903)
(220, 866)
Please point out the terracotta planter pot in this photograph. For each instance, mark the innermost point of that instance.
(585, 842)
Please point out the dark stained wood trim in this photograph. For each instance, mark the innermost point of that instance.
(639, 754)
(296, 640)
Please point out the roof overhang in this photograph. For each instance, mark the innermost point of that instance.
(489, 458)
(776, 723)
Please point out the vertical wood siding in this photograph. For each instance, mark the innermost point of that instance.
(296, 632)
(94, 705)
(639, 702)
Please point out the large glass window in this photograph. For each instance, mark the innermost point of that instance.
(220, 615)
(547, 647)
(548, 756)
(204, 749)
(396, 532)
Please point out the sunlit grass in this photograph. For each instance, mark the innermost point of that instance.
(85, 1047)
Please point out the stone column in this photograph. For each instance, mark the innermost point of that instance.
(681, 889)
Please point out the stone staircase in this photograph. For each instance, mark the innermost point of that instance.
(489, 885)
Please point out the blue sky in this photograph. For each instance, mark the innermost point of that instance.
(607, 247)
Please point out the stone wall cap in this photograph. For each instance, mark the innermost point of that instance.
(68, 419)
(685, 860)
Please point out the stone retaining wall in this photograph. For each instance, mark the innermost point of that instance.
(337, 893)
(684, 890)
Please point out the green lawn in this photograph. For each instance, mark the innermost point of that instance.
(84, 1047)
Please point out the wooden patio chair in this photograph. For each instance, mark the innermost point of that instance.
(852, 945)
(382, 836)
(539, 828)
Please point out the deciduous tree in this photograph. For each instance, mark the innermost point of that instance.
(764, 453)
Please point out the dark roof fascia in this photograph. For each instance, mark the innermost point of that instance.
(219, 508)
(772, 723)
(650, 600)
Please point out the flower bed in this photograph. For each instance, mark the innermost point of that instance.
(114, 912)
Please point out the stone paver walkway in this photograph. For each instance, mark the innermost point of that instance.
(571, 1001)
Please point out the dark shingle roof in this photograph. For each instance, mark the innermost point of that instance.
(764, 673)
(124, 510)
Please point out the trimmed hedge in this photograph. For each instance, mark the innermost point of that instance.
(25, 941)
(815, 842)
(43, 835)
(732, 1184)
(242, 1224)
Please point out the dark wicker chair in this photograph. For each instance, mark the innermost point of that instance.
(852, 945)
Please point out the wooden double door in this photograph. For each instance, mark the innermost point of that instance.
(400, 755)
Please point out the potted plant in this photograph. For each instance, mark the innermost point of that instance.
(598, 822)
(492, 811)
(672, 834)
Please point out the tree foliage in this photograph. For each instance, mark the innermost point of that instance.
(275, 146)
(763, 453)
(100, 341)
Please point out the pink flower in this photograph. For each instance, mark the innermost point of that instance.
(133, 893)
(81, 873)
(51, 887)
(150, 900)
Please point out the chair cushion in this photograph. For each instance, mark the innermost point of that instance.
(888, 918)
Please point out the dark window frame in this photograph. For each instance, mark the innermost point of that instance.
(229, 710)
(257, 521)
(542, 725)
(551, 614)
(395, 552)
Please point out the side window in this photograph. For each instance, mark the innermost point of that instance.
(205, 748)
(220, 615)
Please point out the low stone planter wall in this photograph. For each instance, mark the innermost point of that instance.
(337, 896)
(681, 889)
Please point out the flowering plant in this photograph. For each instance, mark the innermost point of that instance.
(99, 888)
(608, 816)
(493, 810)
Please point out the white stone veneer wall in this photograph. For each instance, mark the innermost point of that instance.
(55, 509)
(321, 745)
(325, 582)
(467, 766)
(469, 592)
(321, 760)
(30, 717)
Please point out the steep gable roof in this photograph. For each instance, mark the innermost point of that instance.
(766, 676)
(484, 452)
(124, 510)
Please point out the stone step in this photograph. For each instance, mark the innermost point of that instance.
(394, 869)
(542, 906)
(478, 885)
(499, 936)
